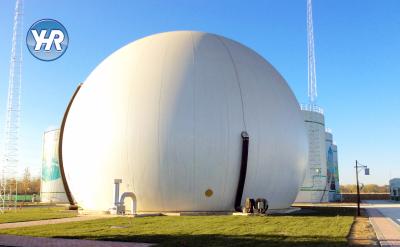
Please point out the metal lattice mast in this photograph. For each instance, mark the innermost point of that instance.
(312, 80)
(9, 161)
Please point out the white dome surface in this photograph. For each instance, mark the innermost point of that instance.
(165, 114)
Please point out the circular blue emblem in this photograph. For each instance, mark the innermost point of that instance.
(47, 39)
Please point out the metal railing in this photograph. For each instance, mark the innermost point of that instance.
(313, 108)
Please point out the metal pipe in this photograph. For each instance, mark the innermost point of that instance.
(60, 154)
(116, 191)
(243, 170)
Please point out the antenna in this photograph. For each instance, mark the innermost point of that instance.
(312, 80)
(9, 162)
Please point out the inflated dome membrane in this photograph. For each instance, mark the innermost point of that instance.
(165, 114)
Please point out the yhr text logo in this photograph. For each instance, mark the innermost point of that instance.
(47, 39)
(40, 39)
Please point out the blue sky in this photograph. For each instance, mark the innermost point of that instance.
(357, 45)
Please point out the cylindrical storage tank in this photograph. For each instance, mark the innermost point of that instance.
(52, 187)
(314, 187)
(330, 164)
(336, 166)
(165, 115)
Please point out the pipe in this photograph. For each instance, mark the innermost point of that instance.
(243, 170)
(133, 202)
(60, 141)
(116, 191)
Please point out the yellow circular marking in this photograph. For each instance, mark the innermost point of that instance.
(209, 193)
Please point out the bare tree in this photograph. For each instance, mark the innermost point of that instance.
(26, 181)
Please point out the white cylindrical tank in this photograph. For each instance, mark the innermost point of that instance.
(52, 187)
(338, 196)
(165, 114)
(330, 165)
(314, 187)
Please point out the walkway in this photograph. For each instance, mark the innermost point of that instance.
(24, 241)
(385, 218)
(49, 222)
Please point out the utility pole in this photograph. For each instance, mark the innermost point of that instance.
(366, 169)
(358, 192)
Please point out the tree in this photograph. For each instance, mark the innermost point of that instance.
(35, 185)
(367, 188)
(26, 181)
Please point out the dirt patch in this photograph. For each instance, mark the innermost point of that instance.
(362, 233)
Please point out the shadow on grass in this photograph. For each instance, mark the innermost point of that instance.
(324, 211)
(222, 240)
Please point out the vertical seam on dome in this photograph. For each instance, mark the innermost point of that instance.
(133, 161)
(237, 79)
(158, 123)
(194, 121)
(238, 83)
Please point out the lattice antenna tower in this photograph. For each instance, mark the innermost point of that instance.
(9, 161)
(312, 80)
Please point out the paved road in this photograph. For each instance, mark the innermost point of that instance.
(385, 218)
(390, 209)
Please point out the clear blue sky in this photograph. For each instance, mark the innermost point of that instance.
(357, 46)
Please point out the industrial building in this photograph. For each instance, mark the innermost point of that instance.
(394, 187)
(183, 121)
(321, 182)
(51, 186)
(314, 187)
(332, 168)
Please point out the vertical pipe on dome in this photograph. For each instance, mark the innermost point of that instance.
(60, 156)
(243, 170)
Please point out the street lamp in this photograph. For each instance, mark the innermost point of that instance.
(360, 167)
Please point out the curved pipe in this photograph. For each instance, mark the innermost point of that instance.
(132, 196)
(60, 141)
(125, 195)
(243, 171)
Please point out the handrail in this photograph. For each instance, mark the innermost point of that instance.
(312, 108)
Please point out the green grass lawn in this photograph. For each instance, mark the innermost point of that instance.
(323, 227)
(35, 213)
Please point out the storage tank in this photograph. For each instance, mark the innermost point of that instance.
(51, 187)
(338, 196)
(314, 187)
(166, 117)
(330, 163)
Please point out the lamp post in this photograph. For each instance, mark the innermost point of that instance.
(366, 169)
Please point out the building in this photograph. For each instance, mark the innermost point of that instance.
(338, 195)
(315, 185)
(332, 168)
(394, 186)
(183, 121)
(51, 186)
